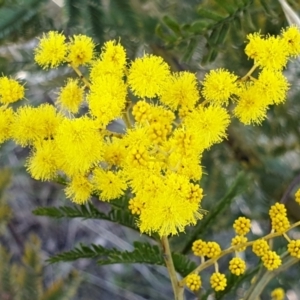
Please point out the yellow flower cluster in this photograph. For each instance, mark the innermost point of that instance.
(10, 90)
(172, 120)
(297, 196)
(294, 248)
(53, 50)
(278, 294)
(239, 240)
(218, 281)
(280, 222)
(260, 247)
(199, 248)
(269, 53)
(237, 266)
(208, 249)
(271, 260)
(193, 282)
(242, 226)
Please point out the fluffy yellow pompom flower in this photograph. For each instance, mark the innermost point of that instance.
(294, 248)
(271, 260)
(209, 123)
(291, 37)
(218, 86)
(114, 53)
(6, 121)
(273, 85)
(168, 210)
(107, 98)
(43, 162)
(180, 90)
(190, 167)
(114, 152)
(218, 281)
(193, 282)
(270, 52)
(80, 144)
(242, 226)
(71, 96)
(260, 247)
(239, 240)
(34, 124)
(251, 107)
(147, 76)
(79, 190)
(297, 196)
(112, 62)
(200, 248)
(278, 294)
(255, 43)
(111, 185)
(81, 50)
(10, 90)
(52, 50)
(237, 266)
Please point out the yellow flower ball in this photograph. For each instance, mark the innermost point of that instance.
(237, 266)
(52, 50)
(193, 282)
(218, 281)
(242, 226)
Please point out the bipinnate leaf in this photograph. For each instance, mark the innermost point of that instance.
(89, 211)
(209, 14)
(172, 24)
(182, 264)
(212, 24)
(144, 253)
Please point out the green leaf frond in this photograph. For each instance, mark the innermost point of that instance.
(213, 24)
(182, 264)
(142, 253)
(89, 211)
(14, 18)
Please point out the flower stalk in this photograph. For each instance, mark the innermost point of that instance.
(178, 291)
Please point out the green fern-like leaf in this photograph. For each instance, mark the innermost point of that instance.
(73, 9)
(211, 25)
(182, 264)
(142, 253)
(122, 15)
(96, 19)
(89, 211)
(15, 16)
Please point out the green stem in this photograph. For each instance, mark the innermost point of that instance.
(81, 76)
(126, 117)
(178, 291)
(249, 73)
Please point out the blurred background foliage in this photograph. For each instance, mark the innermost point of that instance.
(244, 175)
